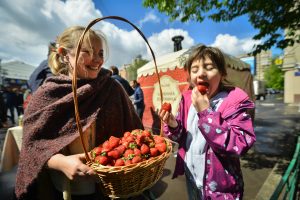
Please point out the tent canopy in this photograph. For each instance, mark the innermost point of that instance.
(177, 59)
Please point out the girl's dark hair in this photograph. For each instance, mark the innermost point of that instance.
(202, 52)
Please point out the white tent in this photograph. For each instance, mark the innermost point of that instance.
(17, 70)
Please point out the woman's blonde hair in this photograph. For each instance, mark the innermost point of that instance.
(66, 42)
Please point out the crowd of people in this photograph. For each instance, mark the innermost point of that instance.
(11, 103)
(212, 128)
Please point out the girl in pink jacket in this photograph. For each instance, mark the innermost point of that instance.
(212, 128)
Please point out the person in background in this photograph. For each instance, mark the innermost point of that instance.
(213, 129)
(39, 75)
(3, 110)
(51, 158)
(138, 99)
(37, 78)
(122, 81)
(19, 102)
(10, 98)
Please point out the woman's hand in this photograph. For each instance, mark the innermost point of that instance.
(200, 102)
(167, 118)
(72, 166)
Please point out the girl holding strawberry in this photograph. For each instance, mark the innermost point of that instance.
(212, 128)
(52, 159)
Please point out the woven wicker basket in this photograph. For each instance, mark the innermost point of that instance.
(131, 180)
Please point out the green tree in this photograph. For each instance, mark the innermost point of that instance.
(274, 76)
(135, 65)
(271, 17)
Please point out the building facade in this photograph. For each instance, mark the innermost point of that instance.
(291, 68)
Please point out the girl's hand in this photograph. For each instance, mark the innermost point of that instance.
(200, 102)
(167, 118)
(72, 166)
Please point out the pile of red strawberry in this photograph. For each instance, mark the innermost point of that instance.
(133, 147)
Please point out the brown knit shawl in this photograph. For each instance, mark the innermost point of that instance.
(49, 121)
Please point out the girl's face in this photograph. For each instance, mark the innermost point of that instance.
(88, 65)
(204, 71)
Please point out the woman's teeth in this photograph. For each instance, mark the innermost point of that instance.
(92, 68)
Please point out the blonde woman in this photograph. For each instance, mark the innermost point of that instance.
(52, 154)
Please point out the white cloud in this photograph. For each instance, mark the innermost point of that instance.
(232, 45)
(162, 43)
(30, 26)
(149, 17)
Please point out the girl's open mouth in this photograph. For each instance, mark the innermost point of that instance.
(203, 83)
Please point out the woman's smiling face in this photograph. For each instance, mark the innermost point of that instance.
(90, 59)
(204, 71)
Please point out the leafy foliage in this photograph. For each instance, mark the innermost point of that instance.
(274, 77)
(278, 21)
(132, 69)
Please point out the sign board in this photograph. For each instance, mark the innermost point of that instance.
(278, 61)
(171, 93)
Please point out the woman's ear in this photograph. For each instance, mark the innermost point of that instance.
(65, 59)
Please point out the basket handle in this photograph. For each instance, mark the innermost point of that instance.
(74, 79)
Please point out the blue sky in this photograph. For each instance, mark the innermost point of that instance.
(204, 32)
(31, 25)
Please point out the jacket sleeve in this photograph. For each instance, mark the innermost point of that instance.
(176, 133)
(139, 96)
(233, 134)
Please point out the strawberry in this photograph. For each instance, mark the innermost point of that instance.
(161, 147)
(97, 151)
(119, 162)
(145, 149)
(140, 139)
(137, 152)
(128, 162)
(158, 139)
(153, 152)
(136, 159)
(125, 144)
(106, 146)
(121, 149)
(146, 133)
(202, 89)
(114, 154)
(113, 141)
(126, 134)
(103, 160)
(128, 152)
(167, 107)
(130, 138)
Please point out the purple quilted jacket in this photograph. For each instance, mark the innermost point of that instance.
(228, 132)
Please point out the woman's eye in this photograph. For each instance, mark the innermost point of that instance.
(101, 54)
(85, 51)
